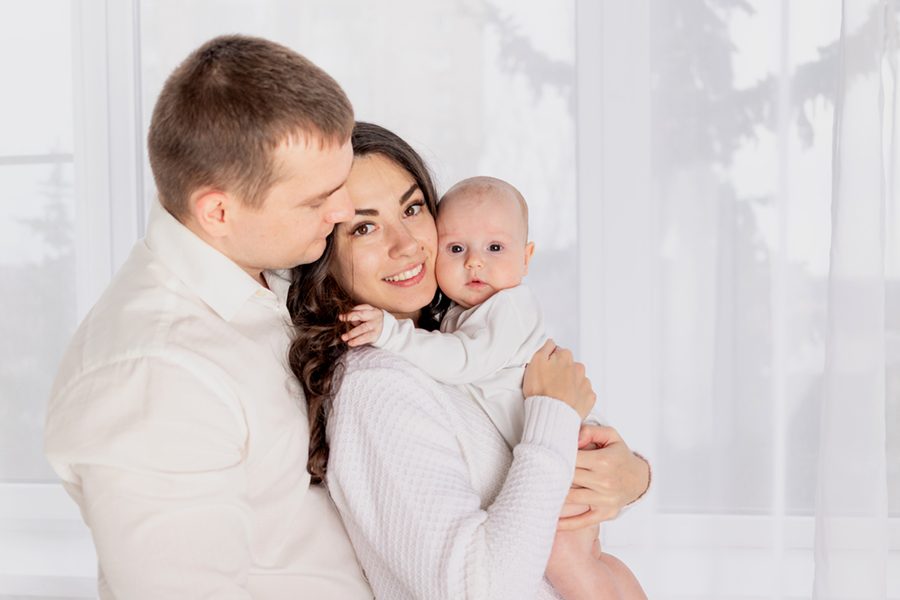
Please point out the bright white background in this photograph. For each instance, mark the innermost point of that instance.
(703, 242)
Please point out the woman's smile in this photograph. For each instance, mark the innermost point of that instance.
(408, 277)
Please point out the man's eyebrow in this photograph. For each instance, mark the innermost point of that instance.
(371, 212)
(326, 194)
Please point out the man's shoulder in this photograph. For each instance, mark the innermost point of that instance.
(143, 313)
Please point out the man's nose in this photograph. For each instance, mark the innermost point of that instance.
(339, 207)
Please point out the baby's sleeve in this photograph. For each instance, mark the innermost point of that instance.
(485, 342)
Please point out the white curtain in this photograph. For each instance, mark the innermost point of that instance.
(862, 354)
(745, 274)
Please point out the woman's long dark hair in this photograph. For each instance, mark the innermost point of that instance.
(316, 299)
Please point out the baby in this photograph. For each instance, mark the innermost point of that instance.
(485, 340)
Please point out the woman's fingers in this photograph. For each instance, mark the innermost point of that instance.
(553, 372)
(545, 351)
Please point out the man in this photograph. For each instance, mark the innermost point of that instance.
(174, 421)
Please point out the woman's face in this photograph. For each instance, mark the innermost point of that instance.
(384, 255)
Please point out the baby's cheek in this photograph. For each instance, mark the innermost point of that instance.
(450, 274)
(443, 269)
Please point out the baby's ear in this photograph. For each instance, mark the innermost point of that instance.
(529, 252)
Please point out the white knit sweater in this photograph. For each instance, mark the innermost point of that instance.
(435, 503)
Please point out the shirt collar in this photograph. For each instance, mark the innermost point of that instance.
(279, 281)
(214, 277)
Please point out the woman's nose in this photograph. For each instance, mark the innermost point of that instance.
(402, 242)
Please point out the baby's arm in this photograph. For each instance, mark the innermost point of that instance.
(371, 323)
(483, 344)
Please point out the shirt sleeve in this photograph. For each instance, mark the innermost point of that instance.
(485, 342)
(153, 455)
(401, 482)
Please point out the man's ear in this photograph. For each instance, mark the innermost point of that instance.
(210, 211)
(529, 252)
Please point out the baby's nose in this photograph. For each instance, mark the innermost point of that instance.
(473, 261)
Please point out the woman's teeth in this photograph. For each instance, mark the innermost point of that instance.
(405, 274)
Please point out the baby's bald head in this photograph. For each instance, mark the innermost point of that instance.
(489, 189)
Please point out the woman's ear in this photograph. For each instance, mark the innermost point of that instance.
(529, 252)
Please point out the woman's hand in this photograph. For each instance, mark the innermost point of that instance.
(607, 478)
(552, 372)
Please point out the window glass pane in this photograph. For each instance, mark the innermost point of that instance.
(37, 283)
(36, 103)
(477, 87)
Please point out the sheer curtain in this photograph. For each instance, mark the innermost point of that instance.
(862, 354)
(713, 192)
(743, 288)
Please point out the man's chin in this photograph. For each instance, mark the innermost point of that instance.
(313, 253)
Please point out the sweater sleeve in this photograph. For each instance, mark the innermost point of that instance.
(399, 476)
(486, 341)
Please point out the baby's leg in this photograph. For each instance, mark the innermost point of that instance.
(578, 568)
(629, 587)
(574, 570)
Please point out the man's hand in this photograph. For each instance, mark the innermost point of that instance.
(370, 320)
(606, 478)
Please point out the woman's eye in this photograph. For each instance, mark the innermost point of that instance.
(495, 247)
(413, 209)
(455, 248)
(363, 229)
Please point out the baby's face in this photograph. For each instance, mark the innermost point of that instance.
(482, 247)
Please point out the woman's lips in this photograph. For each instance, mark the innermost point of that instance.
(408, 277)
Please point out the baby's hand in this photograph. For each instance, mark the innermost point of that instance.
(370, 320)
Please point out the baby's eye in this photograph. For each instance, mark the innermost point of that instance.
(363, 229)
(455, 248)
(413, 209)
(495, 247)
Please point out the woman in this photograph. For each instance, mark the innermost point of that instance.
(434, 502)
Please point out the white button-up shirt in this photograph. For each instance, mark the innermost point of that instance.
(178, 429)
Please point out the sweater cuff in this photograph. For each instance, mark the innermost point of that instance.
(552, 424)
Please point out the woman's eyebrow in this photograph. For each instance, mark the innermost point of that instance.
(371, 212)
(409, 192)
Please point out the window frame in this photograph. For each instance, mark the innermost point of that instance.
(45, 546)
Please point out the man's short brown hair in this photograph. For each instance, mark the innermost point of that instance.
(224, 110)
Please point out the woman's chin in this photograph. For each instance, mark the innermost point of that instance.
(409, 308)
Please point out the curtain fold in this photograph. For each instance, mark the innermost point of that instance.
(851, 540)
